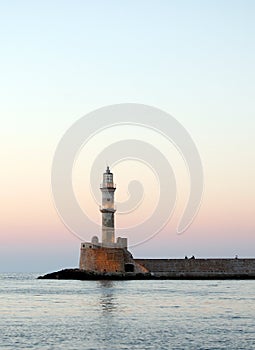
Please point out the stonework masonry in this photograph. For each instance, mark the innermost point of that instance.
(199, 267)
(119, 260)
(101, 259)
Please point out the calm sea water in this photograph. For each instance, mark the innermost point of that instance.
(51, 314)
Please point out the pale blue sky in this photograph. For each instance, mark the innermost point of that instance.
(62, 59)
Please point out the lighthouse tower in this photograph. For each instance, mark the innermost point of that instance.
(107, 209)
(110, 255)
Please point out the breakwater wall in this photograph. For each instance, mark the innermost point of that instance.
(199, 268)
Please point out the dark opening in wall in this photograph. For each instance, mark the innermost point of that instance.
(129, 267)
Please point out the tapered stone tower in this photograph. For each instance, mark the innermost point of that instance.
(110, 256)
(107, 209)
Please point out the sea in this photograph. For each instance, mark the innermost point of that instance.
(93, 315)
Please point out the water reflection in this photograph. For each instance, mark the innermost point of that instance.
(107, 299)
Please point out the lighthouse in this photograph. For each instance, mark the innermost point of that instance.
(110, 255)
(107, 208)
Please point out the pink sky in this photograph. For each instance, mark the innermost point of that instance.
(60, 64)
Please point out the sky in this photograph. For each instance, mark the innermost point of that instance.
(63, 59)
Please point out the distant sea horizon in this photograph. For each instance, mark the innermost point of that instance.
(42, 271)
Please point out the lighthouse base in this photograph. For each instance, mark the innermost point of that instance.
(100, 259)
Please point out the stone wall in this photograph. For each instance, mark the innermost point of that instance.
(102, 259)
(199, 267)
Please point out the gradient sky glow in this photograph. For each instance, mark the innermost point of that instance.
(63, 59)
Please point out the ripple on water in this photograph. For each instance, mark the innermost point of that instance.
(44, 314)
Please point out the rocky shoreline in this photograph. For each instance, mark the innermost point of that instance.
(77, 274)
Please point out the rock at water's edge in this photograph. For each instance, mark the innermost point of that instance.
(77, 274)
